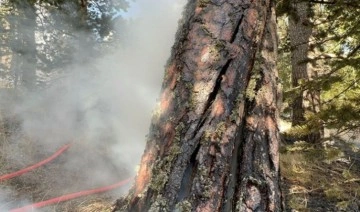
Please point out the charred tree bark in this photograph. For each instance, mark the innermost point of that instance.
(211, 148)
(307, 100)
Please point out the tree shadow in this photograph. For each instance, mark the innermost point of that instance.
(323, 178)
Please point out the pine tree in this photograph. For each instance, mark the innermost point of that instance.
(213, 142)
(307, 100)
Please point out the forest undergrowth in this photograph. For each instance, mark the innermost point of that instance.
(314, 178)
(55, 178)
(322, 177)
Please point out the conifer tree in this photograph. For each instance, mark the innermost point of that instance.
(307, 100)
(213, 142)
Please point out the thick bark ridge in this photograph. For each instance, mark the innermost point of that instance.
(203, 152)
(259, 186)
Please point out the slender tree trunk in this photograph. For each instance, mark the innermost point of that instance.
(28, 25)
(24, 45)
(14, 47)
(300, 31)
(211, 148)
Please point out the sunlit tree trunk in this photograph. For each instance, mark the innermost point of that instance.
(211, 147)
(306, 100)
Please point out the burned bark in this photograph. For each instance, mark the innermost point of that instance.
(210, 147)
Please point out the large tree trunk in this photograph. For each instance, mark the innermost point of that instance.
(306, 100)
(210, 147)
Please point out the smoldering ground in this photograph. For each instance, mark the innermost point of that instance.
(103, 107)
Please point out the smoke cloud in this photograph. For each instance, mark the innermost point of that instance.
(103, 107)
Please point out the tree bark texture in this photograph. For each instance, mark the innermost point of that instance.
(300, 32)
(211, 147)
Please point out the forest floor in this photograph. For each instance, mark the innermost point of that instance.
(322, 178)
(325, 178)
(79, 168)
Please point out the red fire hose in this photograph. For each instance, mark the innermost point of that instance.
(61, 198)
(70, 196)
(41, 163)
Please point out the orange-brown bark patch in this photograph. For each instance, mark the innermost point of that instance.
(168, 128)
(270, 123)
(165, 100)
(171, 70)
(169, 132)
(173, 81)
(251, 123)
(205, 55)
(198, 10)
(212, 150)
(218, 108)
(251, 19)
(143, 176)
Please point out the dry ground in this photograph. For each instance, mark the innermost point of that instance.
(313, 178)
(322, 178)
(79, 168)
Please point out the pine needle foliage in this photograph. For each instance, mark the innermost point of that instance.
(336, 41)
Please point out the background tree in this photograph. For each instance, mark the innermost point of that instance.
(321, 39)
(306, 100)
(20, 22)
(45, 36)
(339, 35)
(45, 40)
(213, 142)
(330, 54)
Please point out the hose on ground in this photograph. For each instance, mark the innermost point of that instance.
(41, 163)
(60, 198)
(70, 196)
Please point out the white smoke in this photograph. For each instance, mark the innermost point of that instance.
(103, 107)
